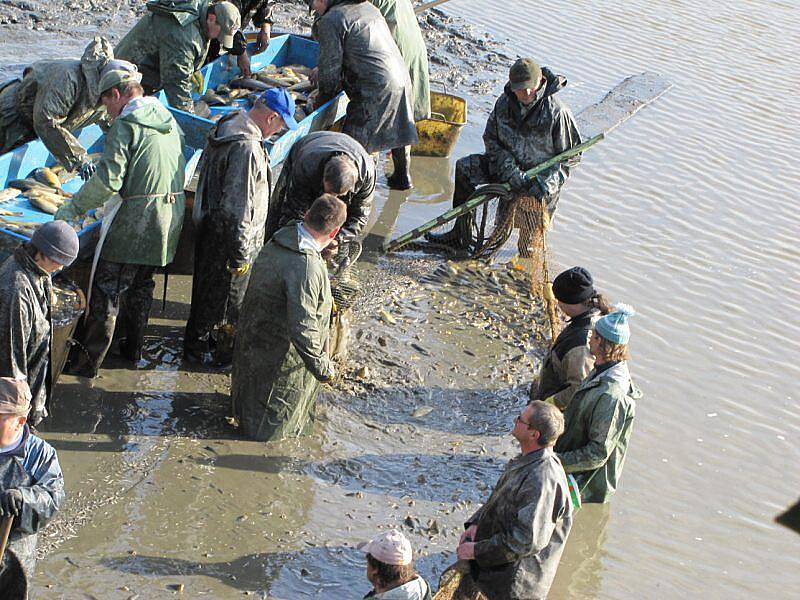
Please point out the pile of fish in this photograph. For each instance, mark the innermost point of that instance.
(42, 188)
(294, 78)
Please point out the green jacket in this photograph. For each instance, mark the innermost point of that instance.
(598, 424)
(168, 45)
(403, 24)
(56, 97)
(280, 353)
(143, 162)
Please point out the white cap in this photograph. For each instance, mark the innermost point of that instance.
(391, 548)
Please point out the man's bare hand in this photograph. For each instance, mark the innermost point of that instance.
(469, 534)
(262, 40)
(244, 64)
(314, 75)
(466, 551)
(331, 250)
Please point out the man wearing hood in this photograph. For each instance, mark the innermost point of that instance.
(280, 354)
(599, 418)
(230, 209)
(169, 44)
(527, 126)
(357, 54)
(26, 316)
(53, 99)
(142, 168)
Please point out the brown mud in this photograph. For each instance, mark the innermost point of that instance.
(164, 496)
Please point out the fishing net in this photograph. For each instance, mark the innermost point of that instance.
(506, 228)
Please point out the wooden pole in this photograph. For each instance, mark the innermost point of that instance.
(5, 531)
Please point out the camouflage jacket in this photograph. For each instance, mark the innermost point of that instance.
(568, 362)
(168, 45)
(56, 97)
(234, 185)
(517, 142)
(26, 291)
(598, 424)
(522, 528)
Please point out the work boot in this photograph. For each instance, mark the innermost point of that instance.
(400, 179)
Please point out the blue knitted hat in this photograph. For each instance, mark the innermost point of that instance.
(614, 326)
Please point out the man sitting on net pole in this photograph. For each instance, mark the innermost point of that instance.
(527, 126)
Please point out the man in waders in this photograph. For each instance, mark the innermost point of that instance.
(31, 482)
(515, 540)
(325, 162)
(53, 99)
(280, 356)
(527, 126)
(599, 418)
(569, 361)
(141, 174)
(403, 24)
(357, 54)
(25, 309)
(169, 44)
(231, 209)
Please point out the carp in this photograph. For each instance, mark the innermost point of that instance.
(46, 176)
(248, 83)
(9, 194)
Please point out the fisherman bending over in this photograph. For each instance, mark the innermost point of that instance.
(31, 482)
(53, 99)
(260, 13)
(357, 54)
(170, 43)
(141, 172)
(330, 163)
(26, 316)
(515, 540)
(280, 354)
(599, 418)
(569, 361)
(403, 24)
(231, 207)
(527, 126)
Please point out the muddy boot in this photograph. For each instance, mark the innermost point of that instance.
(460, 236)
(400, 179)
(223, 355)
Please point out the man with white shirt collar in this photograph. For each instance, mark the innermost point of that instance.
(280, 355)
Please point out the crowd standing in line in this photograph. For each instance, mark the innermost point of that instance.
(261, 295)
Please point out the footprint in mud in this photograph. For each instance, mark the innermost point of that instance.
(433, 478)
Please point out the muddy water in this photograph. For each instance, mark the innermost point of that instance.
(684, 212)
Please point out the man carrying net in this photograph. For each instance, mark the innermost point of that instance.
(527, 126)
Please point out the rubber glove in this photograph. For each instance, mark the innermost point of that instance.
(10, 503)
(198, 82)
(86, 170)
(239, 271)
(519, 182)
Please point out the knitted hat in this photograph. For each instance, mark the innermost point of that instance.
(391, 548)
(57, 241)
(15, 397)
(614, 326)
(574, 286)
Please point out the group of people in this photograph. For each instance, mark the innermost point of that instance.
(261, 294)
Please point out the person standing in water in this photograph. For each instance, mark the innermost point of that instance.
(569, 361)
(599, 418)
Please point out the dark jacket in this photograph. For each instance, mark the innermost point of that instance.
(280, 352)
(25, 322)
(33, 469)
(517, 142)
(567, 363)
(357, 54)
(234, 185)
(598, 425)
(522, 528)
(300, 182)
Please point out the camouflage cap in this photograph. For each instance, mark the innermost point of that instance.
(525, 74)
(115, 76)
(15, 397)
(230, 20)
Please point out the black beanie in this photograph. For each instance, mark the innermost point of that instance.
(573, 286)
